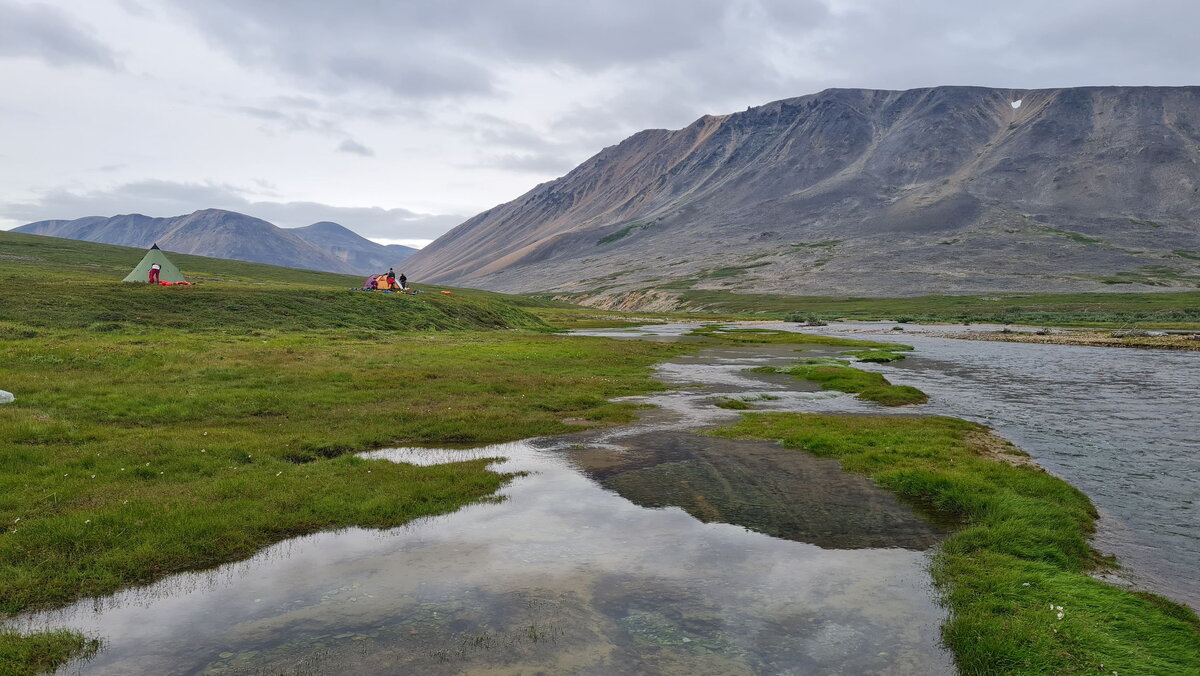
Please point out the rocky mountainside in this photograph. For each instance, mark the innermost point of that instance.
(227, 234)
(851, 191)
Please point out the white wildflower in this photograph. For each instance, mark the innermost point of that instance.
(1060, 616)
(88, 521)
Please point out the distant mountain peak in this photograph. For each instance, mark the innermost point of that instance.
(221, 233)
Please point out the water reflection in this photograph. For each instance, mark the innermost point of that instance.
(1120, 424)
(643, 549)
(763, 487)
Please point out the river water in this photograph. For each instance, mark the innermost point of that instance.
(1122, 425)
(641, 549)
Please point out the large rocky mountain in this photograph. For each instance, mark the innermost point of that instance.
(228, 234)
(852, 191)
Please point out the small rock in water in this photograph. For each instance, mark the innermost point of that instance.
(6, 397)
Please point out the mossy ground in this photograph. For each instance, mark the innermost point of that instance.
(1022, 551)
(867, 385)
(158, 430)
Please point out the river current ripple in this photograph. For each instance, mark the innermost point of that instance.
(1122, 425)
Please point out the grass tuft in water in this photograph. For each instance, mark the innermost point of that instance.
(43, 652)
(867, 385)
(732, 404)
(875, 356)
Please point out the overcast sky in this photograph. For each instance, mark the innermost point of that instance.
(400, 119)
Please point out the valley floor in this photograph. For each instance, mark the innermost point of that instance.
(155, 433)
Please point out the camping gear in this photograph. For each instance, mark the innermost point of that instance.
(6, 397)
(367, 282)
(167, 273)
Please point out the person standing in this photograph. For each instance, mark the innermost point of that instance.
(391, 275)
(403, 282)
(154, 269)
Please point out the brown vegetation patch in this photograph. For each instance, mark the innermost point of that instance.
(1091, 339)
(993, 447)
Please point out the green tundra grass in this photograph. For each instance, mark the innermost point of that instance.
(158, 430)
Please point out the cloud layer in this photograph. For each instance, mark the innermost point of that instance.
(51, 35)
(415, 108)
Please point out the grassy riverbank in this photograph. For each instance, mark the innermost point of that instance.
(1091, 339)
(1021, 553)
(727, 334)
(1167, 310)
(157, 430)
(867, 385)
(1170, 310)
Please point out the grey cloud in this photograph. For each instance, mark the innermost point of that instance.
(538, 163)
(135, 8)
(531, 151)
(292, 120)
(49, 34)
(167, 198)
(440, 50)
(355, 148)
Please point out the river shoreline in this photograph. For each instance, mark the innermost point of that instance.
(1183, 342)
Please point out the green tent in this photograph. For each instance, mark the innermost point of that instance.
(168, 273)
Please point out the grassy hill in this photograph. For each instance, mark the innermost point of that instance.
(49, 282)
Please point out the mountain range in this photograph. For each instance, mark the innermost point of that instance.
(227, 234)
(941, 190)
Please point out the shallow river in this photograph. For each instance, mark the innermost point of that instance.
(1122, 425)
(643, 549)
